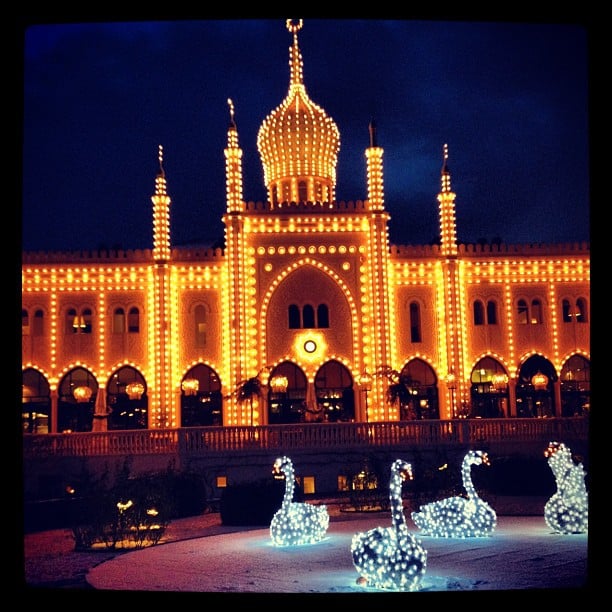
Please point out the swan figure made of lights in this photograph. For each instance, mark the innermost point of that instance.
(296, 523)
(567, 511)
(459, 516)
(391, 557)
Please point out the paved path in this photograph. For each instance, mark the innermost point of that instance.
(522, 554)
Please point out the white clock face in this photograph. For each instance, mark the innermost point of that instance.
(310, 346)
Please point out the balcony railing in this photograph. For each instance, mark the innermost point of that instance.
(200, 441)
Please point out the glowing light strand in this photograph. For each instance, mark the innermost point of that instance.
(459, 516)
(567, 511)
(391, 557)
(296, 523)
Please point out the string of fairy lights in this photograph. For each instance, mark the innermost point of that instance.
(392, 558)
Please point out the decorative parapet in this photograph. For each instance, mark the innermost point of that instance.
(86, 257)
(293, 207)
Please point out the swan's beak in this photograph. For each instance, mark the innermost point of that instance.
(551, 450)
(407, 474)
(485, 459)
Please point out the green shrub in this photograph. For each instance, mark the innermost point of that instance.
(133, 512)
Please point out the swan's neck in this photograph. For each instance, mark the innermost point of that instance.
(466, 474)
(397, 505)
(289, 487)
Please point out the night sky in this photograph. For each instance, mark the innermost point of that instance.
(511, 99)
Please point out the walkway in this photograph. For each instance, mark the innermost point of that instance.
(522, 554)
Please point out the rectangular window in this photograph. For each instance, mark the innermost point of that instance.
(308, 484)
(343, 483)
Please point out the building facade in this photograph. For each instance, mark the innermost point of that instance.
(307, 314)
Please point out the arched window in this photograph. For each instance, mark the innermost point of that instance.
(491, 312)
(322, 316)
(536, 312)
(134, 320)
(38, 323)
(201, 398)
(25, 323)
(119, 321)
(302, 191)
(566, 311)
(200, 325)
(478, 313)
(79, 324)
(535, 396)
(415, 322)
(36, 402)
(581, 315)
(294, 316)
(72, 321)
(126, 396)
(418, 395)
(76, 396)
(87, 319)
(334, 392)
(489, 390)
(576, 387)
(308, 316)
(522, 313)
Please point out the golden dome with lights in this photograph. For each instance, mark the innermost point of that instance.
(298, 142)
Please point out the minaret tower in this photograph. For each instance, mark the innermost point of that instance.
(160, 333)
(236, 294)
(377, 313)
(451, 300)
(448, 225)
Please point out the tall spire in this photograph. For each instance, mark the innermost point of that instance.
(233, 164)
(374, 169)
(446, 177)
(295, 57)
(161, 213)
(372, 128)
(448, 226)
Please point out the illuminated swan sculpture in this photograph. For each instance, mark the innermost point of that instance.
(296, 523)
(459, 516)
(391, 557)
(567, 511)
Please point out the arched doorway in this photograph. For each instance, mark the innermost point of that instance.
(576, 386)
(334, 391)
(421, 401)
(201, 398)
(127, 399)
(287, 394)
(35, 402)
(534, 388)
(489, 390)
(76, 400)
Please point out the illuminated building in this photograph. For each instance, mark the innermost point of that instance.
(306, 303)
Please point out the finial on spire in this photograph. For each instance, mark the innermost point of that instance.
(446, 178)
(372, 128)
(231, 109)
(295, 57)
(294, 28)
(160, 157)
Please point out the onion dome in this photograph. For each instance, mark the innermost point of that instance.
(298, 142)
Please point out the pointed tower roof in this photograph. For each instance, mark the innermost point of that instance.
(298, 139)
